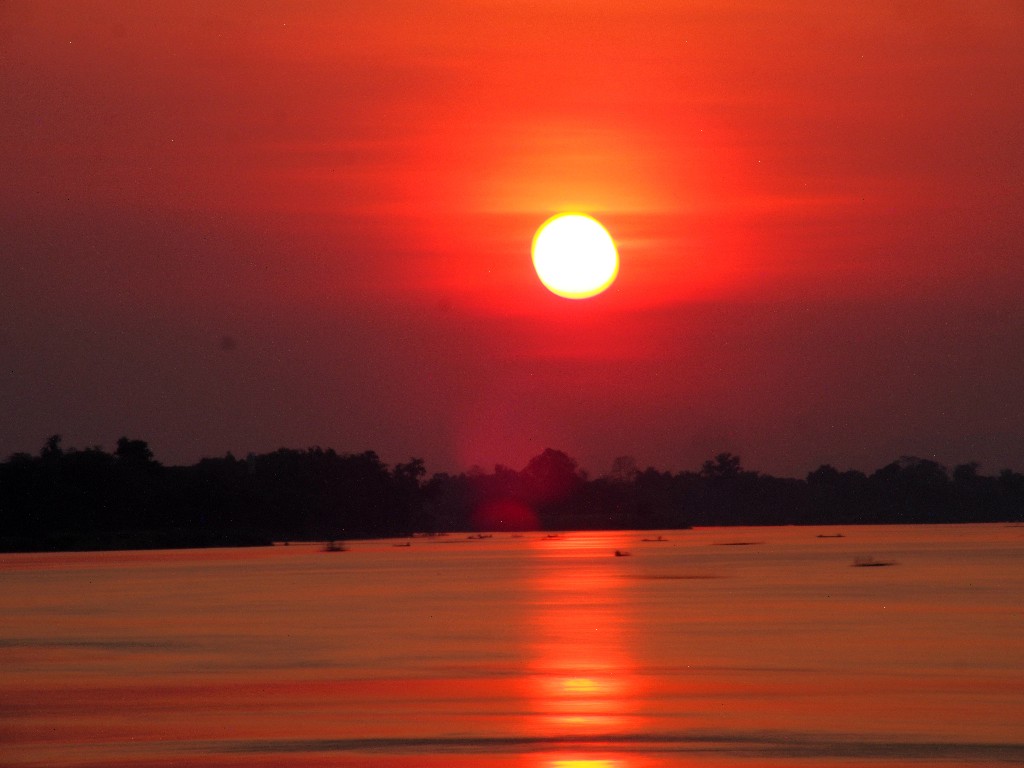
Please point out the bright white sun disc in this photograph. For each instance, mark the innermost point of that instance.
(574, 256)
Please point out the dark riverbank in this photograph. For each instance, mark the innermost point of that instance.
(90, 500)
(99, 542)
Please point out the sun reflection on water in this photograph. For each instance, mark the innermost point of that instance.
(582, 678)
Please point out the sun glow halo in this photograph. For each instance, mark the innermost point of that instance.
(574, 256)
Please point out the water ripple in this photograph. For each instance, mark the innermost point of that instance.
(774, 745)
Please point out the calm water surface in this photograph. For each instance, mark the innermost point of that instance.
(714, 647)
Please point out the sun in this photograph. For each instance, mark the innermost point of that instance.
(574, 256)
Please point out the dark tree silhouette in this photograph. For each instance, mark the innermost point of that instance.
(65, 498)
(133, 452)
(51, 449)
(552, 476)
(724, 467)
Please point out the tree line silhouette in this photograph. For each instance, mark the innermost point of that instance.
(89, 499)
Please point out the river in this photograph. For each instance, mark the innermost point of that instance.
(858, 646)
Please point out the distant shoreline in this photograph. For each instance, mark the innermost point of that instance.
(82, 500)
(166, 540)
(131, 540)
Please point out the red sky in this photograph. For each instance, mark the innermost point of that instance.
(241, 226)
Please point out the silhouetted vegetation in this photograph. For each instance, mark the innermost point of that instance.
(89, 499)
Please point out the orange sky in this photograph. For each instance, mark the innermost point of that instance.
(818, 211)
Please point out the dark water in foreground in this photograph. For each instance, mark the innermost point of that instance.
(716, 647)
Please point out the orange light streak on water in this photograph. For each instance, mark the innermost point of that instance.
(583, 679)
